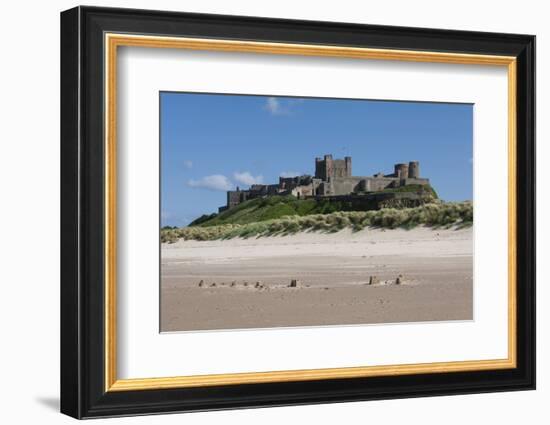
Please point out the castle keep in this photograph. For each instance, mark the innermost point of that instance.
(333, 180)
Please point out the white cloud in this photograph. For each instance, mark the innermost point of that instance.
(188, 164)
(290, 173)
(275, 106)
(281, 106)
(213, 182)
(248, 179)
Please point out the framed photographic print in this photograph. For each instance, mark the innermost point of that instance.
(261, 212)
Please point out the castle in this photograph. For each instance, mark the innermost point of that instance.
(333, 180)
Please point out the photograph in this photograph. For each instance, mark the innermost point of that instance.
(285, 210)
(279, 212)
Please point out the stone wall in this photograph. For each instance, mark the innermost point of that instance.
(373, 184)
(344, 186)
(235, 197)
(333, 177)
(328, 168)
(374, 201)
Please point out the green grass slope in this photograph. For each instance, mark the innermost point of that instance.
(270, 208)
(274, 207)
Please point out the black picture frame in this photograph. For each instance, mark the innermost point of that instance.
(83, 392)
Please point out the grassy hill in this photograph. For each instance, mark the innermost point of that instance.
(275, 207)
(431, 214)
(270, 208)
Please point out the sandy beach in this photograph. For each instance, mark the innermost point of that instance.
(316, 279)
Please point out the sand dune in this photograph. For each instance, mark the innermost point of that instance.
(246, 283)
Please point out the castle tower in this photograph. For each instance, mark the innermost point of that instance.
(401, 171)
(414, 170)
(324, 168)
(318, 167)
(348, 166)
(329, 169)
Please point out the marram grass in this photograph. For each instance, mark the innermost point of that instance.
(433, 214)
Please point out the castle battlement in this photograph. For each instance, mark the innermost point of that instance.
(333, 178)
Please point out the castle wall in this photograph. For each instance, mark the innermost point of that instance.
(417, 181)
(257, 190)
(340, 169)
(328, 168)
(302, 192)
(373, 184)
(344, 186)
(323, 188)
(354, 184)
(235, 197)
(333, 178)
(374, 201)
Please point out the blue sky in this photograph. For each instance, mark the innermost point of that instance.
(211, 143)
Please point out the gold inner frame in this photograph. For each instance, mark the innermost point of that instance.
(113, 41)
